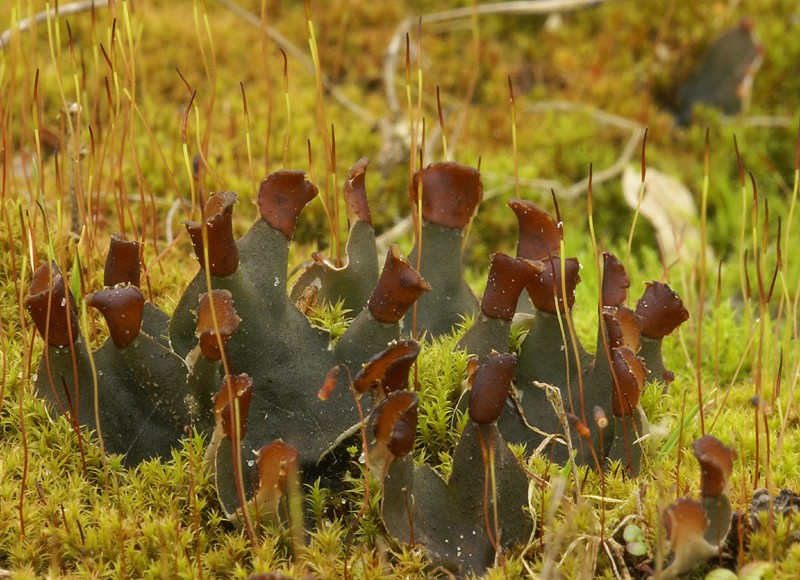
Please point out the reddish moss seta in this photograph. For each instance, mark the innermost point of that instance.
(241, 387)
(396, 422)
(122, 307)
(388, 370)
(539, 237)
(507, 279)
(223, 255)
(661, 310)
(615, 281)
(227, 321)
(123, 262)
(281, 198)
(52, 306)
(490, 386)
(355, 193)
(450, 191)
(545, 289)
(397, 289)
(716, 464)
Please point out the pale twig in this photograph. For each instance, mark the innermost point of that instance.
(572, 546)
(620, 572)
(552, 544)
(604, 118)
(39, 17)
(295, 52)
(601, 116)
(553, 395)
(173, 209)
(531, 544)
(762, 121)
(520, 7)
(535, 184)
(577, 189)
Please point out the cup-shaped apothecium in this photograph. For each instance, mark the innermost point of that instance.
(450, 194)
(122, 307)
(123, 262)
(232, 404)
(661, 310)
(508, 277)
(396, 422)
(398, 288)
(216, 322)
(615, 281)
(629, 375)
(223, 255)
(52, 306)
(355, 193)
(686, 525)
(546, 289)
(539, 235)
(394, 429)
(716, 464)
(623, 327)
(277, 462)
(388, 370)
(281, 198)
(490, 386)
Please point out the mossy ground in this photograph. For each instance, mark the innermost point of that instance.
(65, 511)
